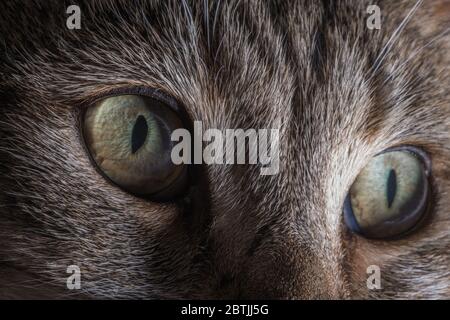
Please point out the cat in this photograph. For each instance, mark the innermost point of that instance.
(338, 91)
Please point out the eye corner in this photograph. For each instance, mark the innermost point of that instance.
(349, 217)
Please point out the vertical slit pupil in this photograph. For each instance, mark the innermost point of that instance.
(139, 135)
(391, 187)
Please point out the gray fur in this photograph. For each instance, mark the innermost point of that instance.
(307, 67)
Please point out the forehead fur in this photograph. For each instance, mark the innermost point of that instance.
(339, 93)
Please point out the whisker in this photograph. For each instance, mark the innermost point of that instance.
(216, 15)
(395, 35)
(415, 53)
(206, 22)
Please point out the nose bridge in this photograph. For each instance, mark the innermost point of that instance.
(274, 258)
(290, 264)
(276, 243)
(269, 232)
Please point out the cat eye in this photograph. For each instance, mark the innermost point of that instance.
(129, 139)
(389, 196)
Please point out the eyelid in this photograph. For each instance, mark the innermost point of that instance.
(156, 94)
(415, 151)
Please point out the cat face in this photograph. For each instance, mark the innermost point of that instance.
(338, 92)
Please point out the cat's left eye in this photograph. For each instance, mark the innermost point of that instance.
(129, 139)
(390, 195)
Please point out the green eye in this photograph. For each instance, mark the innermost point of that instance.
(128, 137)
(389, 196)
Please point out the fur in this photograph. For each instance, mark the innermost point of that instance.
(339, 93)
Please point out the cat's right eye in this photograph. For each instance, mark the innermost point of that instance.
(129, 139)
(390, 195)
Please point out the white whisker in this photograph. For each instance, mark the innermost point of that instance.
(390, 43)
(415, 53)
